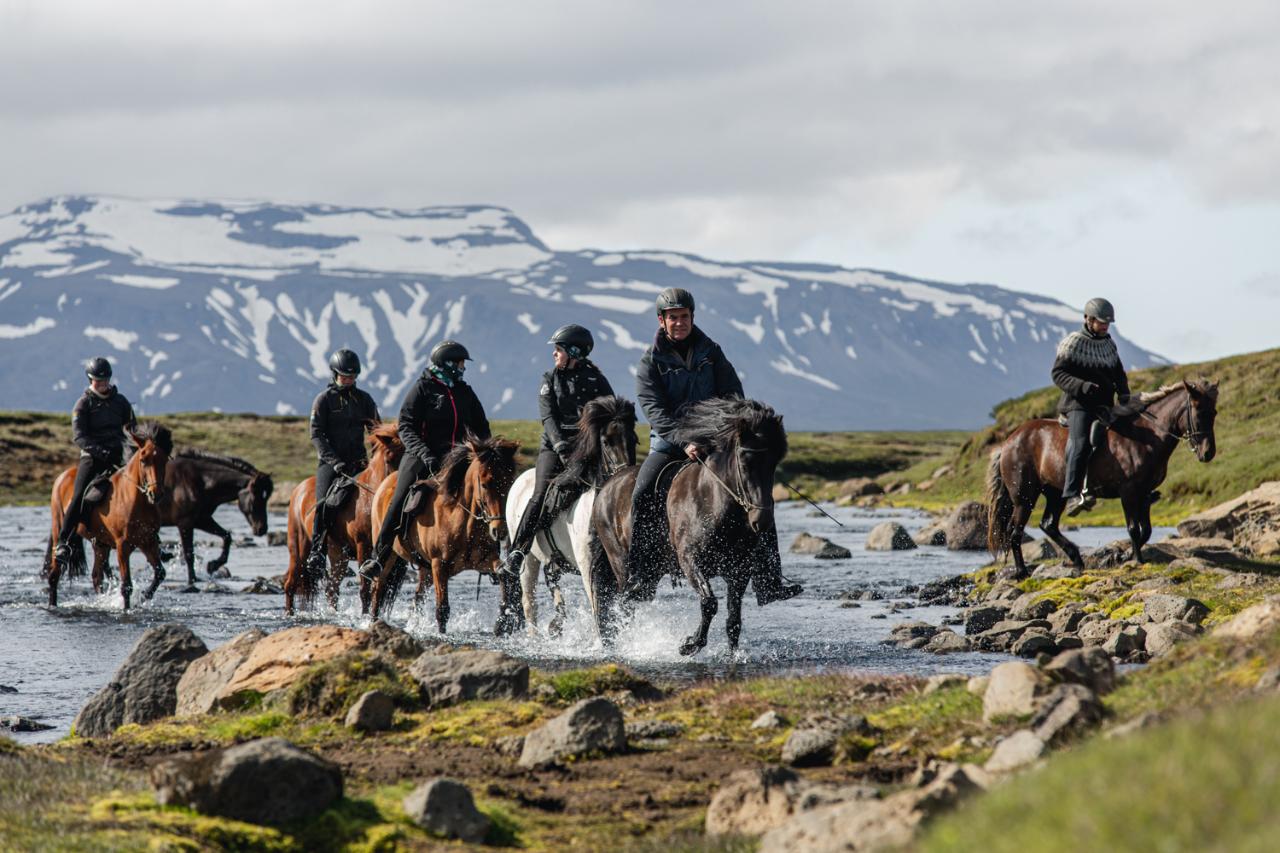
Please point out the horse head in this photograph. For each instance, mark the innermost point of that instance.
(477, 475)
(747, 439)
(606, 440)
(1199, 416)
(154, 444)
(252, 500)
(387, 445)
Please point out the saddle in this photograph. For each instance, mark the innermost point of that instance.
(98, 490)
(419, 497)
(340, 491)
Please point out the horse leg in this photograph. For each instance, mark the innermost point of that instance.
(529, 570)
(709, 605)
(337, 571)
(557, 598)
(733, 618)
(441, 581)
(1053, 507)
(365, 587)
(208, 525)
(1133, 523)
(187, 538)
(152, 552)
(123, 552)
(55, 572)
(100, 555)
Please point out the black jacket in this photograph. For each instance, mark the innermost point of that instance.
(339, 418)
(98, 425)
(667, 384)
(435, 417)
(1084, 358)
(561, 398)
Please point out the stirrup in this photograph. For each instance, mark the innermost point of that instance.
(511, 566)
(369, 570)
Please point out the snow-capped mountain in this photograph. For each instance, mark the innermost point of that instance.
(236, 306)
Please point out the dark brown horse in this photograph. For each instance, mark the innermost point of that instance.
(719, 514)
(127, 519)
(350, 534)
(459, 527)
(196, 484)
(1031, 462)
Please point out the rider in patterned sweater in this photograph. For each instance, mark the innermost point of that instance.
(1088, 370)
(340, 416)
(573, 383)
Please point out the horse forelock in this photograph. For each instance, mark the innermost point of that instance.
(596, 418)
(158, 434)
(722, 423)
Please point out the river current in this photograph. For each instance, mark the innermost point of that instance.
(57, 658)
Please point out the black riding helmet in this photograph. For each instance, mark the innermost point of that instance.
(1100, 309)
(447, 352)
(344, 362)
(674, 297)
(98, 368)
(574, 339)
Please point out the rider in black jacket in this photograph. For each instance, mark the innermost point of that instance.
(438, 413)
(1088, 370)
(573, 383)
(684, 367)
(340, 416)
(99, 423)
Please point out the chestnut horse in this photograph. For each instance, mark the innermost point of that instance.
(459, 527)
(127, 519)
(719, 514)
(350, 534)
(1032, 462)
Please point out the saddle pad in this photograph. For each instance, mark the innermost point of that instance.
(99, 489)
(339, 493)
(420, 493)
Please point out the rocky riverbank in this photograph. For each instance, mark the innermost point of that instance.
(387, 742)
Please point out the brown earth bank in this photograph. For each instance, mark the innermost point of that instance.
(600, 759)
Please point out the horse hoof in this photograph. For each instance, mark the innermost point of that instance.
(189, 588)
(555, 626)
(690, 647)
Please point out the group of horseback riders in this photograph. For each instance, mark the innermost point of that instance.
(682, 366)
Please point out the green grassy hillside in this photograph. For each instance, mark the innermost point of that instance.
(1247, 431)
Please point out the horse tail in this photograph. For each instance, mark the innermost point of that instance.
(999, 510)
(77, 565)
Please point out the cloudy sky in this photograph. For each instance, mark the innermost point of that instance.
(1073, 149)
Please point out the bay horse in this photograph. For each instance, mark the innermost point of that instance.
(350, 534)
(719, 514)
(1032, 462)
(197, 482)
(127, 519)
(605, 444)
(459, 526)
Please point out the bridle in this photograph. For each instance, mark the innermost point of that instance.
(739, 496)
(1190, 435)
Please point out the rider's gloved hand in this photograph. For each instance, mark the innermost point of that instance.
(693, 451)
(1089, 388)
(340, 468)
(561, 449)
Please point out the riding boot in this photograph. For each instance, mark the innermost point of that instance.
(85, 472)
(767, 577)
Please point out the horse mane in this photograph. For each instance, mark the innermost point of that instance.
(1200, 386)
(497, 453)
(157, 433)
(235, 462)
(597, 415)
(387, 430)
(720, 424)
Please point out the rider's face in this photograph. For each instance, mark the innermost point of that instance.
(344, 381)
(562, 358)
(677, 323)
(102, 386)
(1097, 326)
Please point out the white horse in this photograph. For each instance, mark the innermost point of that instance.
(606, 443)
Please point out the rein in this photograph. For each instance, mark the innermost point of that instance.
(1189, 435)
(741, 499)
(148, 490)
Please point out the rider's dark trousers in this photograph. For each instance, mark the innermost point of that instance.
(86, 469)
(548, 465)
(646, 526)
(325, 475)
(411, 470)
(1079, 449)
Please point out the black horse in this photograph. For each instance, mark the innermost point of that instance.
(719, 514)
(196, 483)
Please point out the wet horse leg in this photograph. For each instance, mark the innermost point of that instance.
(208, 525)
(529, 570)
(123, 552)
(733, 618)
(1053, 506)
(709, 605)
(152, 552)
(186, 540)
(1137, 520)
(100, 555)
(440, 577)
(337, 571)
(1017, 528)
(557, 598)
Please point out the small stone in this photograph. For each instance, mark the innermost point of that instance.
(1165, 608)
(1068, 708)
(979, 619)
(372, 712)
(1142, 721)
(1161, 639)
(946, 642)
(15, 723)
(977, 685)
(1091, 667)
(1126, 641)
(1012, 691)
(1066, 619)
(277, 538)
(1015, 752)
(889, 536)
(769, 720)
(1033, 643)
(446, 808)
(1031, 606)
(592, 725)
(945, 681)
(653, 730)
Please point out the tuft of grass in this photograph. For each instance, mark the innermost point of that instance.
(1202, 783)
(332, 687)
(575, 684)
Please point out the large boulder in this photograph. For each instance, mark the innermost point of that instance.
(1012, 691)
(983, 618)
(280, 659)
(592, 725)
(145, 687)
(1066, 710)
(1090, 667)
(933, 534)
(205, 678)
(864, 824)
(815, 739)
(1159, 607)
(266, 781)
(1161, 639)
(372, 712)
(889, 536)
(1247, 521)
(822, 549)
(858, 487)
(447, 809)
(967, 528)
(447, 679)
(1262, 617)
(1031, 605)
(1015, 752)
(946, 642)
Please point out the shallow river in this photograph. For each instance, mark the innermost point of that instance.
(56, 659)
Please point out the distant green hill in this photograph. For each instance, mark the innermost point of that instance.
(1247, 430)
